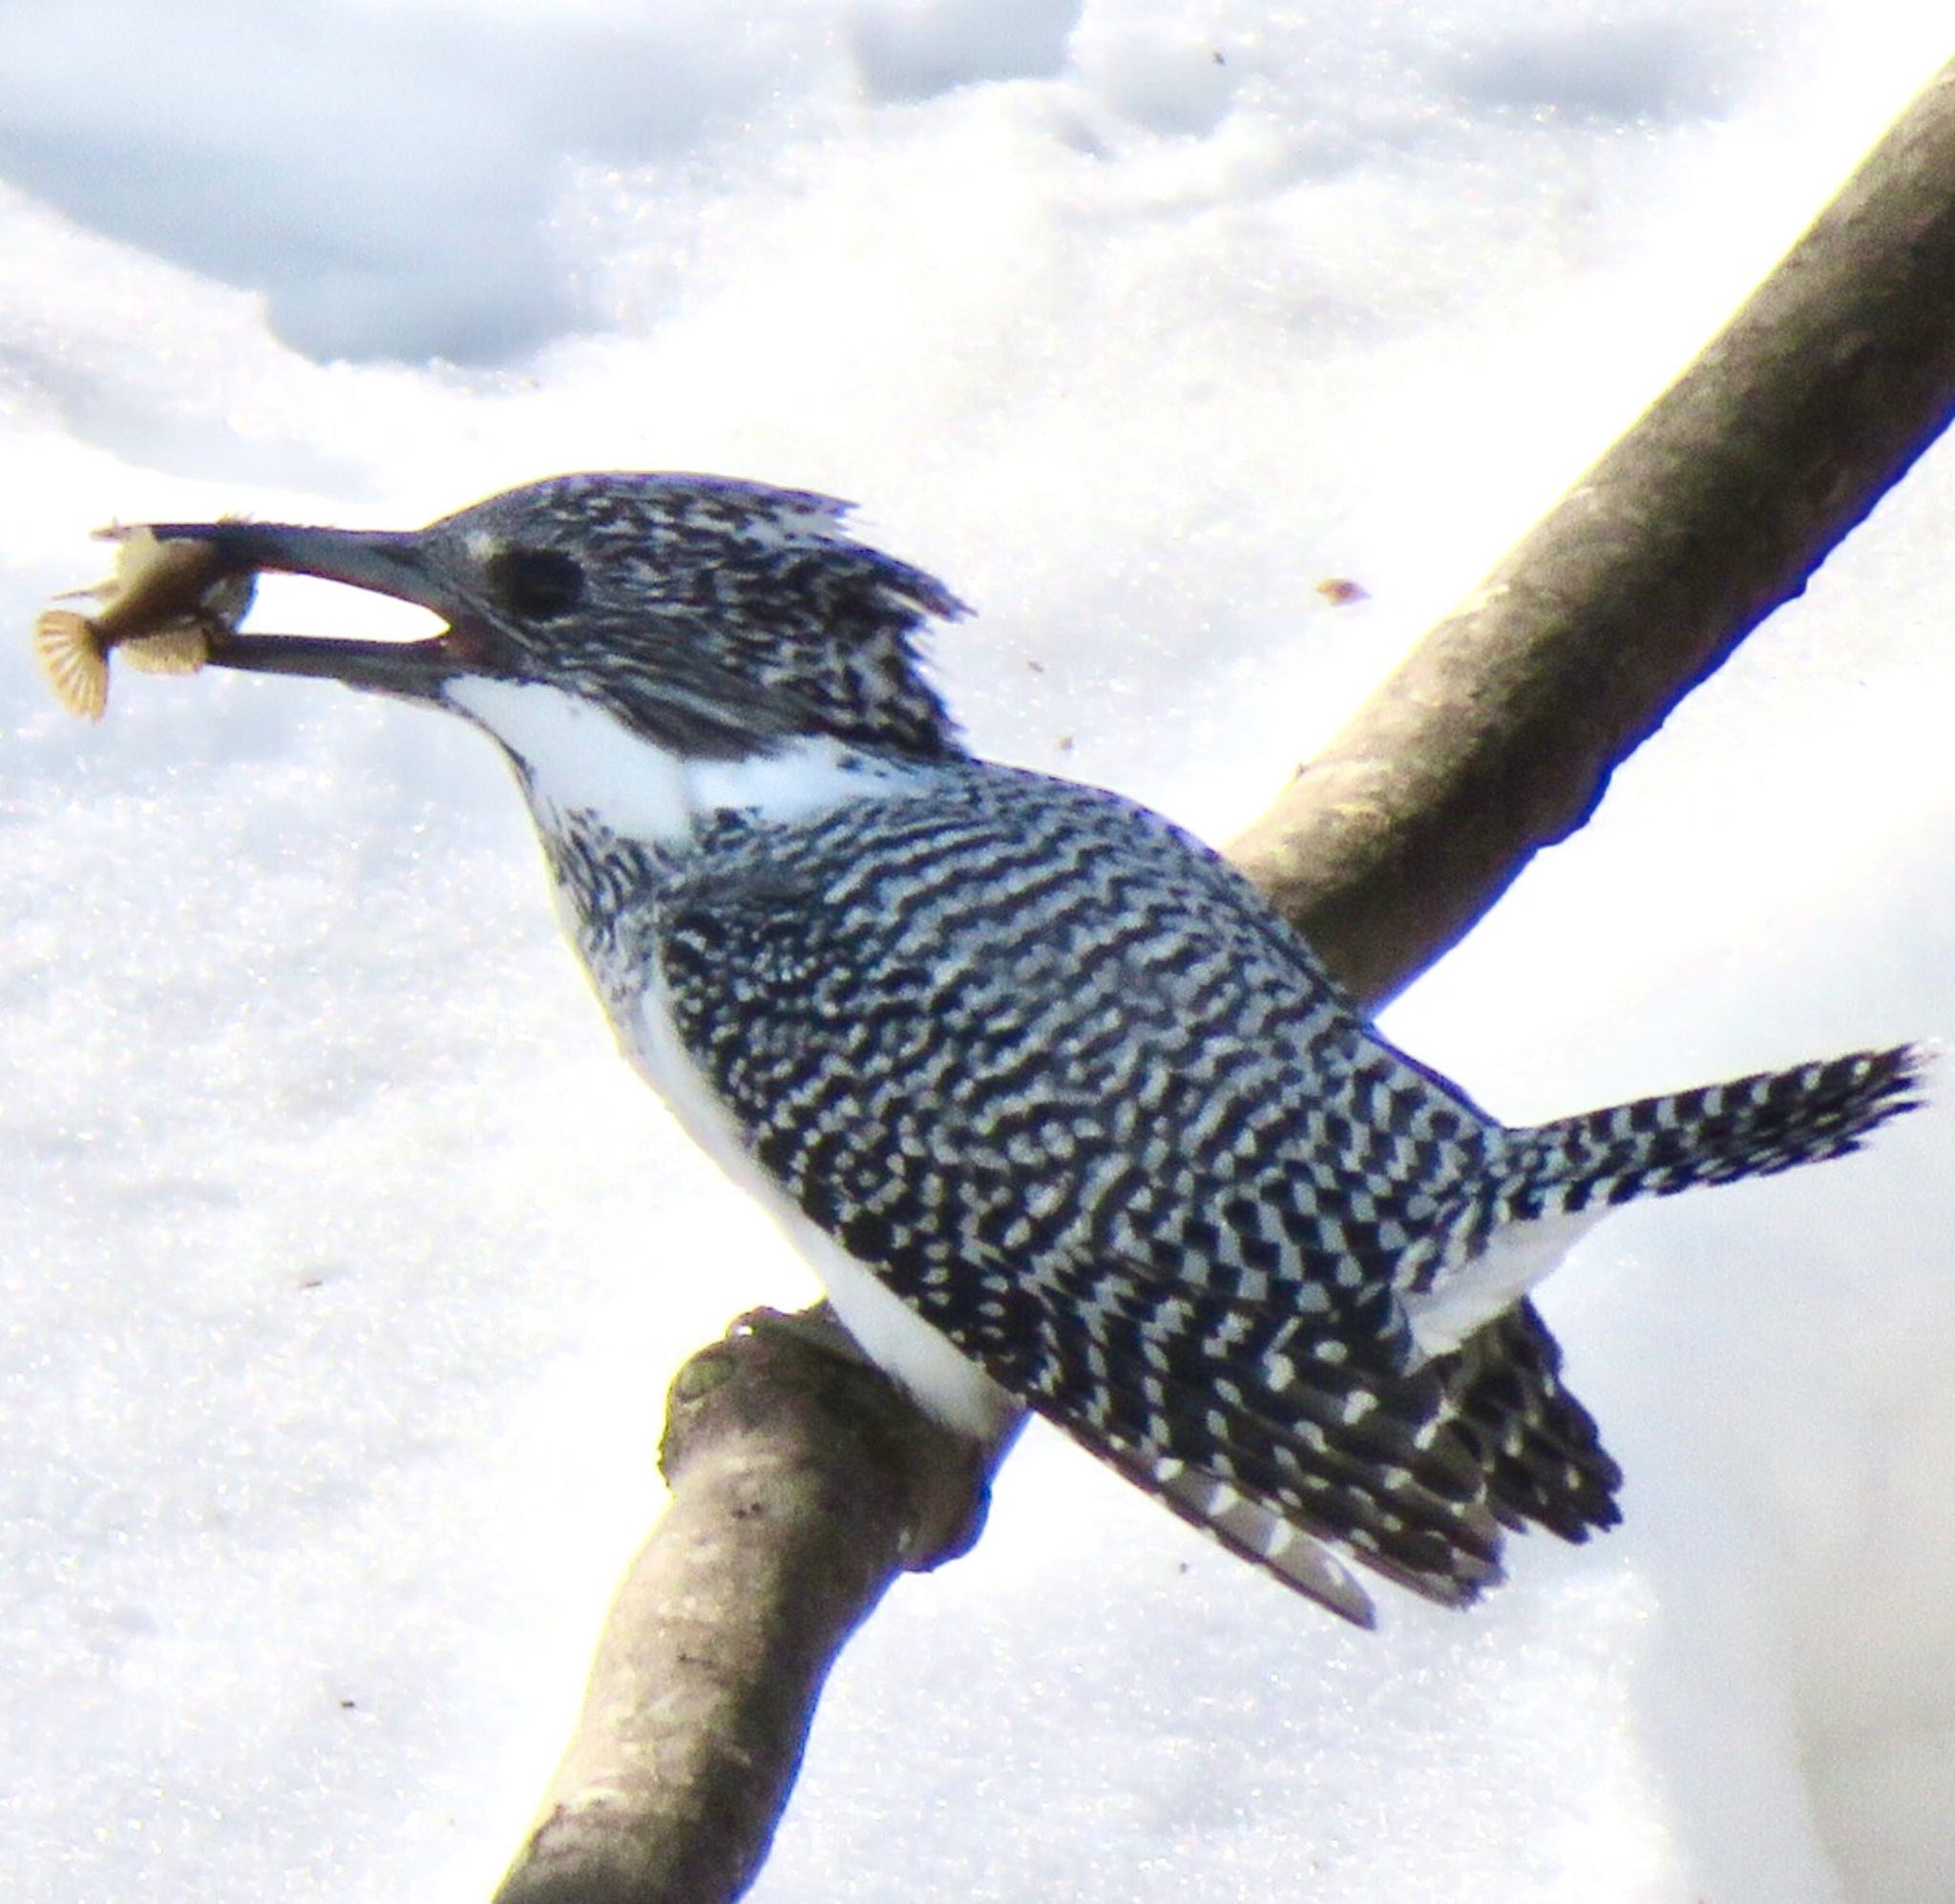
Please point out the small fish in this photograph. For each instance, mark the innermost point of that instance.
(161, 607)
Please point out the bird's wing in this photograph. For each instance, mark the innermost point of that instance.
(1055, 1075)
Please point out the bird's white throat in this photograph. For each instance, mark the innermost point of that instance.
(580, 758)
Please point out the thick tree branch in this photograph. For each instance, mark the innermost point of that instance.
(1499, 733)
(800, 1487)
(802, 1484)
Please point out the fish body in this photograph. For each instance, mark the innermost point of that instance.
(161, 607)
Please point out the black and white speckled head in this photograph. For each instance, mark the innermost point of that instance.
(715, 619)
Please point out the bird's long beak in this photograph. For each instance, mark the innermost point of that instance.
(386, 561)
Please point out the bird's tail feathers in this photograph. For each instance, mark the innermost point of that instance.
(1717, 1134)
(1556, 1180)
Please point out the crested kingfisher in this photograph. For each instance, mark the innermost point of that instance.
(1062, 1113)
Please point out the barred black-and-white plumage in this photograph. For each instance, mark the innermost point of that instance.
(1060, 1110)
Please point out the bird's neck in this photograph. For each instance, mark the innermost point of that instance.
(586, 772)
(623, 817)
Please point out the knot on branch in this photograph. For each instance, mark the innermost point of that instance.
(794, 1393)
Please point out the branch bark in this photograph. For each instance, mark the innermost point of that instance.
(801, 1483)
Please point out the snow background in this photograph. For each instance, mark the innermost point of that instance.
(344, 1266)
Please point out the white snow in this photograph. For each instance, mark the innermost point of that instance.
(345, 1264)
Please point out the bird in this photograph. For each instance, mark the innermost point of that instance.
(1063, 1115)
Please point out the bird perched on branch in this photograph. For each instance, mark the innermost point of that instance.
(1062, 1113)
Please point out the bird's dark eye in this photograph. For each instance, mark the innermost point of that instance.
(536, 584)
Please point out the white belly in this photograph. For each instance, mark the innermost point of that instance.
(1515, 1259)
(943, 1382)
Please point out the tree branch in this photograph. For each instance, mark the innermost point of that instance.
(1499, 733)
(801, 1485)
